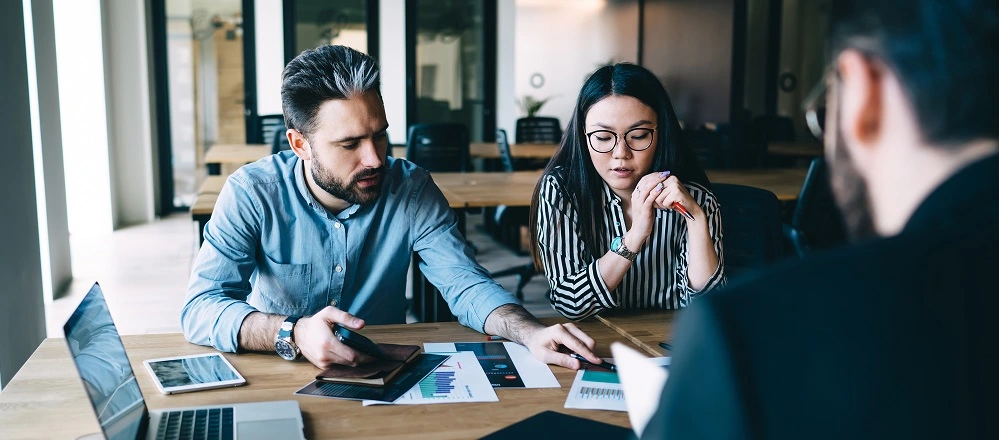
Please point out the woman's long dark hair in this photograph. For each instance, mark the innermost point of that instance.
(571, 163)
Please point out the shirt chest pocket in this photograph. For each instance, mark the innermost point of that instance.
(283, 287)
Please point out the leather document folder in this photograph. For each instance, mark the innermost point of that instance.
(375, 373)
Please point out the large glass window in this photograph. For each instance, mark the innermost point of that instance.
(319, 22)
(451, 64)
(206, 85)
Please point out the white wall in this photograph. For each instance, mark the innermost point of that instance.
(269, 39)
(565, 41)
(129, 116)
(22, 310)
(392, 60)
(50, 176)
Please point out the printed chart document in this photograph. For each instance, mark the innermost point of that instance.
(642, 379)
(458, 379)
(592, 389)
(506, 364)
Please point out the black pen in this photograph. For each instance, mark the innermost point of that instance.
(604, 364)
(666, 346)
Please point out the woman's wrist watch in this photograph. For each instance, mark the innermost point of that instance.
(284, 343)
(617, 246)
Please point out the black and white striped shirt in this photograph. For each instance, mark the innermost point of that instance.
(657, 278)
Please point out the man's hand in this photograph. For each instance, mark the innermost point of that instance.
(546, 344)
(314, 336)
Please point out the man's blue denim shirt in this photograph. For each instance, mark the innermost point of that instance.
(271, 247)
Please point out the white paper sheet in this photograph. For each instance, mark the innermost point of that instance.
(458, 379)
(642, 380)
(593, 389)
(533, 373)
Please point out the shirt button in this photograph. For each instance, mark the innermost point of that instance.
(333, 303)
(336, 225)
(338, 268)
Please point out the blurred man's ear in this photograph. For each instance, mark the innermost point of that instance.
(861, 101)
(299, 144)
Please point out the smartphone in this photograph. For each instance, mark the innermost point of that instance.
(357, 341)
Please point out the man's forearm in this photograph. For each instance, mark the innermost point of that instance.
(258, 331)
(512, 322)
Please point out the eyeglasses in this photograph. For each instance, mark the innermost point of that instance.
(815, 104)
(604, 141)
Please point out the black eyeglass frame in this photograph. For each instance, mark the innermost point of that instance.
(617, 138)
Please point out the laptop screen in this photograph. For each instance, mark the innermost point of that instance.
(107, 376)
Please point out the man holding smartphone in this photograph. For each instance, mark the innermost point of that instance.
(322, 235)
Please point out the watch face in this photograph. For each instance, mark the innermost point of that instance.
(285, 350)
(615, 244)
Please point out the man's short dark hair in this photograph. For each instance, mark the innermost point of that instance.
(943, 53)
(319, 75)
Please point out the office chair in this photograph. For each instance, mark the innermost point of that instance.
(752, 227)
(439, 147)
(816, 222)
(508, 221)
(279, 140)
(268, 126)
(538, 129)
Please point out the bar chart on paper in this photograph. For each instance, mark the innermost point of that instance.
(459, 379)
(441, 385)
(596, 390)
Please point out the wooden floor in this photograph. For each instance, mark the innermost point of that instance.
(144, 272)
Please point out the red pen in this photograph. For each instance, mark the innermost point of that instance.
(677, 206)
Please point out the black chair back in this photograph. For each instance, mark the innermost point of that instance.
(279, 140)
(538, 129)
(439, 147)
(816, 222)
(752, 226)
(503, 143)
(268, 126)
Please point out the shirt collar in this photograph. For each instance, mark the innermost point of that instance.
(610, 197)
(967, 198)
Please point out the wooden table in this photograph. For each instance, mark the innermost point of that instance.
(45, 399)
(234, 154)
(644, 329)
(795, 149)
(785, 183)
(489, 150)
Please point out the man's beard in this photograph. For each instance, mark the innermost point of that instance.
(850, 192)
(351, 192)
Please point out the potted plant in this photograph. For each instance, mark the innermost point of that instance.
(530, 105)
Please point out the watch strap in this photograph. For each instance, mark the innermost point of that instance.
(622, 249)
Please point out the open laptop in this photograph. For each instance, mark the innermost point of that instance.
(114, 393)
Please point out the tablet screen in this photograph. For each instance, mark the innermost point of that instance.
(196, 372)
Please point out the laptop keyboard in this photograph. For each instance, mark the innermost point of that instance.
(213, 423)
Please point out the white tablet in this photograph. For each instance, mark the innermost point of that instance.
(192, 373)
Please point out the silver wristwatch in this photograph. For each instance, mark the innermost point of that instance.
(617, 246)
(284, 343)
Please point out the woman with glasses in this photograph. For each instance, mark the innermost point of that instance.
(622, 216)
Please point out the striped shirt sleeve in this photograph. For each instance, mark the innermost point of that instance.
(577, 288)
(713, 213)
